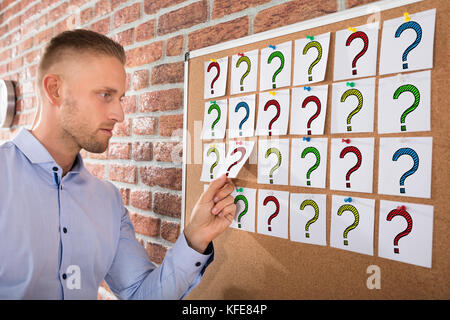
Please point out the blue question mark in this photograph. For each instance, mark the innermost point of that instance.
(238, 106)
(418, 29)
(410, 152)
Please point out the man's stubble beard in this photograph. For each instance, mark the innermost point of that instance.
(75, 129)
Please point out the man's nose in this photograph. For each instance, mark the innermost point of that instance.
(116, 112)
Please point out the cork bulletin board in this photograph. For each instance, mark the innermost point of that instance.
(250, 265)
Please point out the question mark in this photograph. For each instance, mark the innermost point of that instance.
(247, 60)
(314, 167)
(211, 150)
(356, 151)
(279, 55)
(357, 94)
(406, 215)
(212, 107)
(352, 209)
(244, 199)
(247, 109)
(277, 165)
(316, 45)
(418, 29)
(410, 152)
(315, 115)
(242, 150)
(365, 39)
(277, 204)
(217, 66)
(277, 105)
(416, 93)
(313, 204)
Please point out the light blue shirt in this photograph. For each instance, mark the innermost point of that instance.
(60, 237)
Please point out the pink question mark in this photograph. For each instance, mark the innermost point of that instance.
(217, 66)
(400, 211)
(315, 115)
(275, 103)
(238, 149)
(365, 39)
(277, 204)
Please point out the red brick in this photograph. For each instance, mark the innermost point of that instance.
(101, 26)
(102, 8)
(354, 3)
(223, 8)
(170, 231)
(145, 31)
(142, 151)
(123, 173)
(156, 252)
(169, 178)
(174, 46)
(127, 15)
(58, 12)
(144, 126)
(162, 100)
(167, 204)
(97, 170)
(183, 18)
(292, 12)
(144, 55)
(222, 32)
(148, 226)
(119, 150)
(141, 199)
(129, 104)
(140, 79)
(163, 151)
(125, 38)
(122, 129)
(168, 73)
(152, 6)
(170, 123)
(125, 194)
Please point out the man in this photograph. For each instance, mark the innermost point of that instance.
(62, 230)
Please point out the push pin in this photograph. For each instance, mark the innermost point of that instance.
(240, 54)
(307, 88)
(239, 189)
(351, 29)
(271, 46)
(350, 84)
(407, 17)
(349, 199)
(346, 140)
(401, 208)
(239, 142)
(213, 102)
(306, 139)
(310, 37)
(272, 92)
(213, 60)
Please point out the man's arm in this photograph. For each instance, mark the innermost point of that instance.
(133, 276)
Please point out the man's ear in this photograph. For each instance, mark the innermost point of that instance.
(51, 84)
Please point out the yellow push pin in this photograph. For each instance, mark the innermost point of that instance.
(406, 15)
(351, 29)
(272, 92)
(214, 60)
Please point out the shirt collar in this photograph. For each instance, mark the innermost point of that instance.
(33, 149)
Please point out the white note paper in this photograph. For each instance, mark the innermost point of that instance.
(276, 66)
(237, 155)
(213, 156)
(215, 76)
(273, 113)
(242, 116)
(245, 200)
(215, 119)
(273, 213)
(273, 161)
(244, 70)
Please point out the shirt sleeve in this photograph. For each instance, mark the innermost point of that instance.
(133, 276)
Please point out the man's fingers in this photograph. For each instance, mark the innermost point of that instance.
(224, 192)
(229, 212)
(213, 187)
(219, 206)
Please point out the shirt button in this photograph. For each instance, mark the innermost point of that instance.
(64, 276)
(65, 230)
(198, 264)
(55, 168)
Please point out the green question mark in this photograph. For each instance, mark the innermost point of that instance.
(279, 55)
(244, 199)
(314, 167)
(313, 204)
(416, 93)
(247, 60)
(357, 94)
(316, 45)
(211, 150)
(214, 106)
(352, 209)
(278, 153)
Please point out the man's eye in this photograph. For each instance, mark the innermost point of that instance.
(105, 95)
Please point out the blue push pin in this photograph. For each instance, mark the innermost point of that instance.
(348, 199)
(271, 46)
(307, 88)
(306, 139)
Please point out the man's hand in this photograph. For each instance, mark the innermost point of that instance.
(212, 214)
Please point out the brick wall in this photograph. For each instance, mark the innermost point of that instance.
(155, 35)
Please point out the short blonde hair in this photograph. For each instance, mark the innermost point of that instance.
(76, 42)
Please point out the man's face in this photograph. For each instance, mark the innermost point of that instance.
(94, 86)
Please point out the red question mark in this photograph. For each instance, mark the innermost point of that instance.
(365, 39)
(275, 103)
(356, 151)
(315, 115)
(401, 211)
(238, 149)
(217, 66)
(277, 204)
